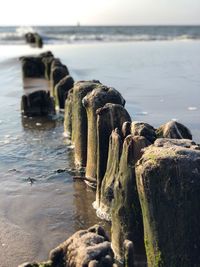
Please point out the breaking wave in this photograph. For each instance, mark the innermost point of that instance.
(82, 34)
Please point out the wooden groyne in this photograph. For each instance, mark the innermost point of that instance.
(147, 180)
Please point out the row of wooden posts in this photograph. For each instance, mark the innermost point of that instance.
(147, 180)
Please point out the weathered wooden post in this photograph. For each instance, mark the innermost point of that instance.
(57, 73)
(143, 129)
(126, 211)
(80, 123)
(92, 101)
(173, 129)
(68, 115)
(105, 196)
(109, 117)
(61, 91)
(168, 182)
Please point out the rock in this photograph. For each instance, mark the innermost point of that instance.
(68, 115)
(126, 210)
(175, 130)
(92, 101)
(34, 39)
(57, 74)
(80, 90)
(38, 103)
(85, 248)
(61, 90)
(109, 117)
(168, 182)
(143, 129)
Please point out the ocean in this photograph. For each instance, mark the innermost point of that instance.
(82, 34)
(155, 68)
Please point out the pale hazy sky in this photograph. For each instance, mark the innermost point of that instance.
(99, 12)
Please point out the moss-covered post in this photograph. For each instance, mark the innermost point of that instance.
(109, 117)
(92, 101)
(57, 73)
(105, 196)
(47, 63)
(104, 199)
(126, 129)
(68, 115)
(173, 129)
(126, 211)
(80, 90)
(32, 67)
(143, 129)
(61, 91)
(168, 182)
(38, 103)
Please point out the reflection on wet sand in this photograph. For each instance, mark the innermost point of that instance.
(85, 215)
(39, 123)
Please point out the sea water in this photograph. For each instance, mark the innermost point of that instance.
(160, 81)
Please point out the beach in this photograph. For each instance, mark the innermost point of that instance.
(160, 82)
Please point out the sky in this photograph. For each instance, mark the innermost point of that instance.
(99, 12)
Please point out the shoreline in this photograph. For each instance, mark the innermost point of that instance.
(145, 118)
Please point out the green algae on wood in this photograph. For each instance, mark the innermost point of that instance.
(68, 115)
(92, 101)
(143, 129)
(126, 210)
(57, 73)
(35, 66)
(109, 117)
(38, 103)
(173, 129)
(61, 91)
(169, 190)
(105, 196)
(80, 123)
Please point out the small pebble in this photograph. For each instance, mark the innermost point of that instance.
(38, 124)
